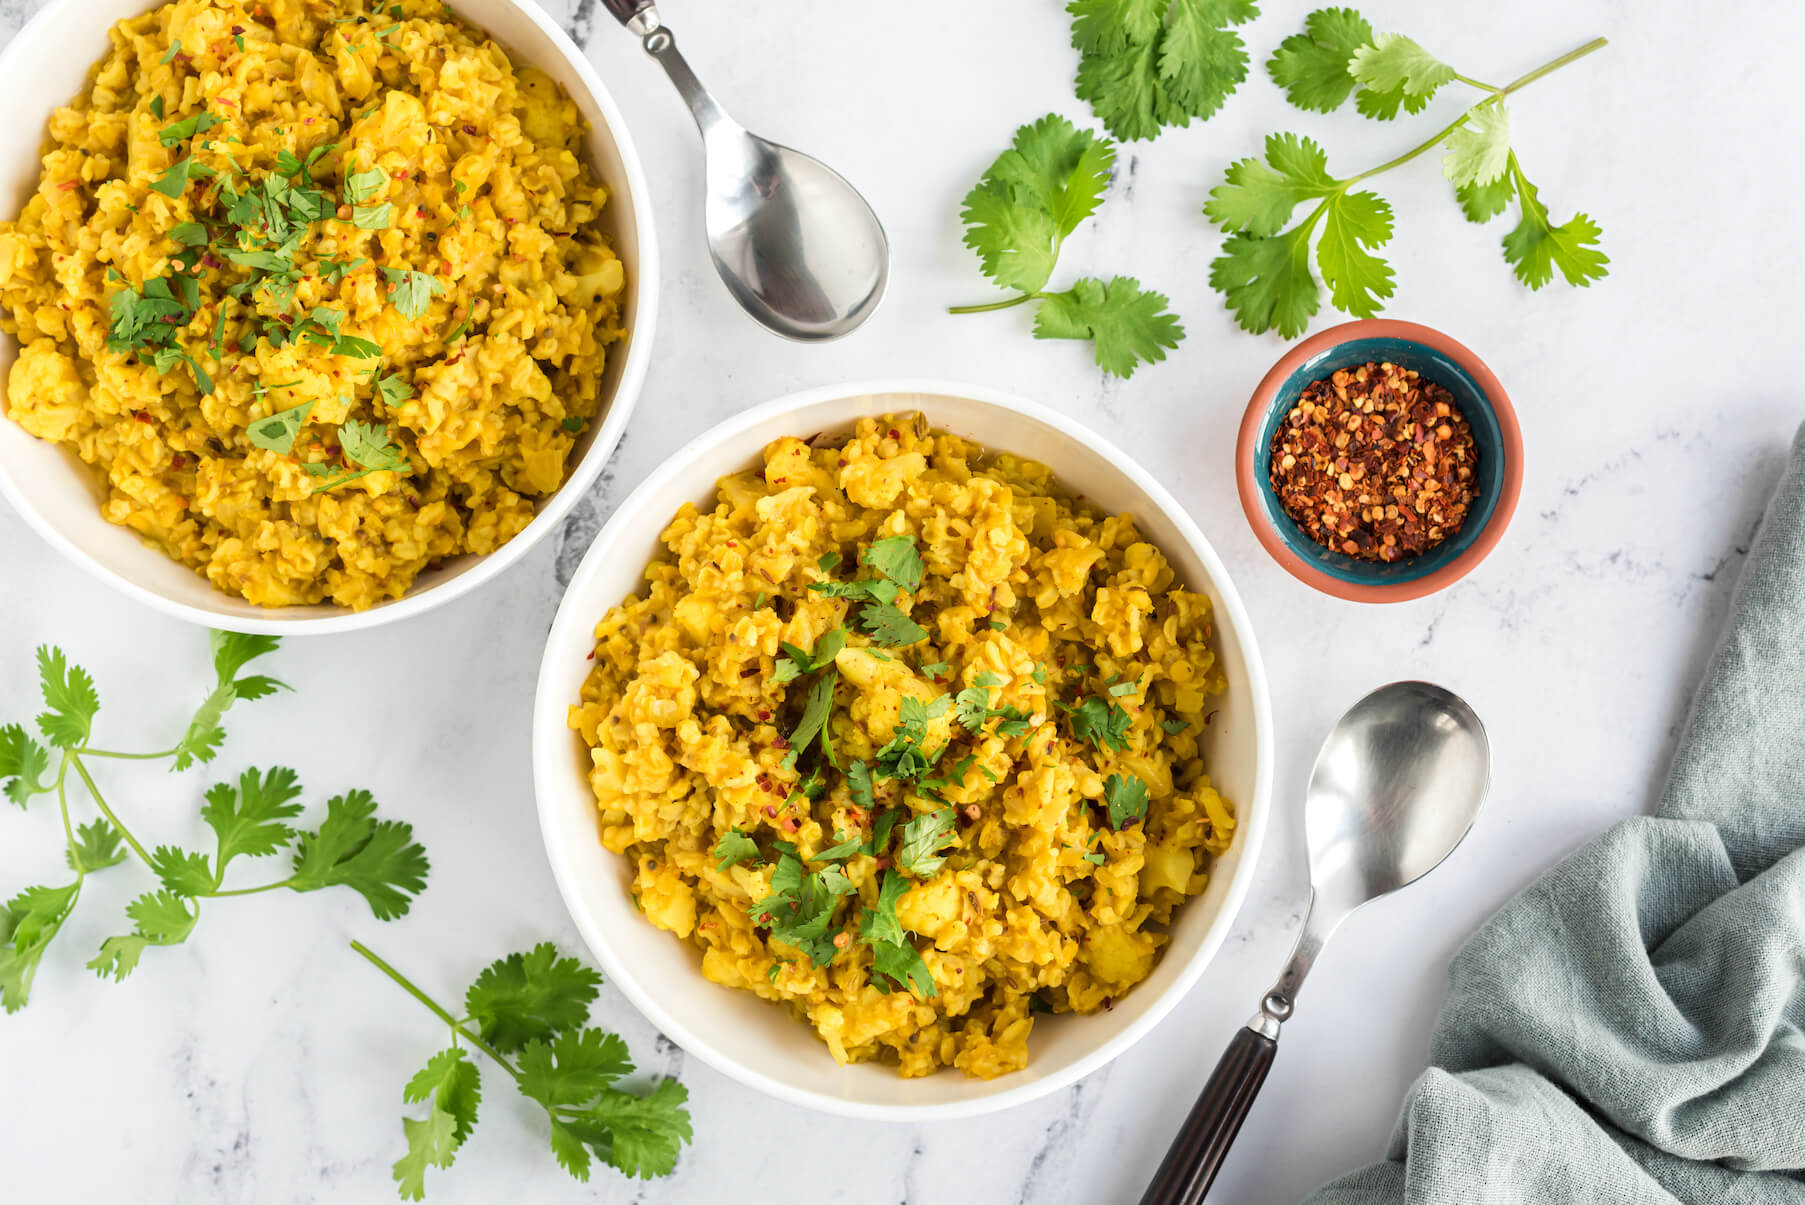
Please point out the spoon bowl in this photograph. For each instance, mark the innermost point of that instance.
(1396, 787)
(796, 245)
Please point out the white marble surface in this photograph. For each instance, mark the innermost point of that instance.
(263, 1062)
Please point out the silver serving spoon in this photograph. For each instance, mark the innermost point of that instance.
(1395, 788)
(797, 246)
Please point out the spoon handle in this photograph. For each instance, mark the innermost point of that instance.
(625, 10)
(1196, 1154)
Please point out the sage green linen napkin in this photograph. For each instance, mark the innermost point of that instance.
(1631, 1028)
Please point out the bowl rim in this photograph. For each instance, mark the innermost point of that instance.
(550, 753)
(583, 475)
(1251, 487)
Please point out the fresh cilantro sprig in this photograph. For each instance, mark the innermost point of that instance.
(527, 1013)
(1125, 798)
(1147, 64)
(1264, 270)
(1018, 217)
(895, 962)
(1100, 722)
(251, 819)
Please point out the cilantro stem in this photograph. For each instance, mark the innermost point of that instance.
(101, 803)
(995, 305)
(85, 751)
(217, 893)
(1470, 82)
(62, 799)
(1497, 94)
(457, 1027)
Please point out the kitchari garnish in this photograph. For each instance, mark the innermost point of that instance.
(904, 738)
(1376, 462)
(318, 290)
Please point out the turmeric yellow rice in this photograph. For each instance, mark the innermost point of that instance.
(316, 287)
(906, 739)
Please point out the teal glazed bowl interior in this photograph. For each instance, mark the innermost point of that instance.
(1476, 393)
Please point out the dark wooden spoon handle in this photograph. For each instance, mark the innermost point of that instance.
(1203, 1141)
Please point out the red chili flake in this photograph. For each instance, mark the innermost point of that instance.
(142, 416)
(789, 824)
(237, 29)
(401, 175)
(469, 129)
(181, 502)
(66, 185)
(781, 743)
(883, 863)
(179, 461)
(770, 812)
(591, 656)
(749, 671)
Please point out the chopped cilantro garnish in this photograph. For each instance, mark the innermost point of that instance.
(1126, 798)
(827, 561)
(412, 291)
(890, 626)
(188, 127)
(1100, 722)
(1174, 727)
(897, 559)
(733, 848)
(894, 959)
(922, 839)
(373, 217)
(277, 432)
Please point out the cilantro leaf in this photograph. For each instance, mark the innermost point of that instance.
(183, 871)
(249, 819)
(733, 848)
(412, 292)
(23, 763)
(232, 651)
(1036, 193)
(1100, 722)
(1483, 202)
(971, 707)
(1267, 282)
(1396, 65)
(188, 127)
(530, 996)
(1352, 223)
(362, 186)
(276, 433)
(573, 1067)
(378, 859)
(69, 694)
(858, 781)
(815, 713)
(1126, 798)
(1313, 66)
(922, 839)
(897, 558)
(1479, 151)
(890, 626)
(895, 962)
(1146, 64)
(97, 847)
(1129, 325)
(637, 1135)
(1259, 197)
(454, 1085)
(431, 1142)
(28, 923)
(1536, 247)
(373, 217)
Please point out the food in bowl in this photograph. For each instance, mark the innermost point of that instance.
(1376, 462)
(319, 293)
(906, 739)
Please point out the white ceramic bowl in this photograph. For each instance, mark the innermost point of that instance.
(46, 65)
(750, 1039)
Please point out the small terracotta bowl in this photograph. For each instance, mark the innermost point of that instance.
(1477, 394)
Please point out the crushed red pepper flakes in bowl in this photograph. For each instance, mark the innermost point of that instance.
(1375, 462)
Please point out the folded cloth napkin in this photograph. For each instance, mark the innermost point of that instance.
(1631, 1028)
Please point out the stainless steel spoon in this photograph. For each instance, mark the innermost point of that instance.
(1395, 788)
(797, 246)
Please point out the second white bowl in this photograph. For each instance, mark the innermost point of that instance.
(745, 1037)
